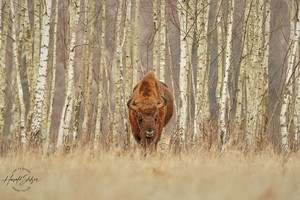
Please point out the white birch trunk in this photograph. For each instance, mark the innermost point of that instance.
(183, 75)
(3, 43)
(136, 43)
(126, 74)
(259, 72)
(220, 50)
(264, 67)
(201, 95)
(251, 77)
(63, 132)
(128, 47)
(16, 55)
(34, 50)
(163, 34)
(36, 132)
(223, 132)
(37, 37)
(53, 75)
(297, 110)
(28, 46)
(155, 38)
(285, 113)
(242, 74)
(88, 54)
(102, 65)
(119, 75)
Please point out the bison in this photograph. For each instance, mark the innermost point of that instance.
(150, 109)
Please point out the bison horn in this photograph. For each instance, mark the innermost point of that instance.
(161, 105)
(131, 105)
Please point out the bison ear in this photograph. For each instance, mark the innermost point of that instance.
(131, 105)
(161, 105)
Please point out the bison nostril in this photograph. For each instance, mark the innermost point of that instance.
(149, 133)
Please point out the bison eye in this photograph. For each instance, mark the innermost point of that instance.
(139, 118)
(156, 118)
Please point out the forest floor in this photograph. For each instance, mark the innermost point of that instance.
(110, 176)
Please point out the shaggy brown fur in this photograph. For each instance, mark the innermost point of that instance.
(150, 109)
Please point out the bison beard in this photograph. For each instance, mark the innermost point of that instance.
(150, 109)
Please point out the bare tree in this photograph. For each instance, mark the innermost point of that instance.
(184, 73)
(63, 133)
(3, 43)
(285, 113)
(36, 133)
(17, 36)
(102, 65)
(201, 96)
(224, 94)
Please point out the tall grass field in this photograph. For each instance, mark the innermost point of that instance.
(115, 176)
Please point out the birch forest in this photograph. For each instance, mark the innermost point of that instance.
(68, 67)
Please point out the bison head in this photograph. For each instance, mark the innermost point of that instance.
(147, 114)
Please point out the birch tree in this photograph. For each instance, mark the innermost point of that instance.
(264, 66)
(102, 65)
(155, 37)
(285, 114)
(126, 72)
(53, 77)
(36, 132)
(163, 34)
(63, 133)
(201, 96)
(260, 48)
(220, 24)
(33, 49)
(88, 65)
(3, 43)
(17, 36)
(119, 74)
(241, 90)
(136, 43)
(183, 74)
(223, 132)
(297, 109)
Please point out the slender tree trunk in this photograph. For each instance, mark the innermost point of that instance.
(264, 67)
(285, 114)
(129, 70)
(155, 38)
(163, 35)
(136, 43)
(241, 91)
(119, 75)
(126, 72)
(201, 95)
(224, 94)
(37, 135)
(32, 70)
(3, 43)
(17, 37)
(63, 132)
(102, 65)
(88, 65)
(53, 76)
(183, 75)
(251, 77)
(220, 50)
(297, 110)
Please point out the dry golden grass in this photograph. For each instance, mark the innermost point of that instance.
(164, 176)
